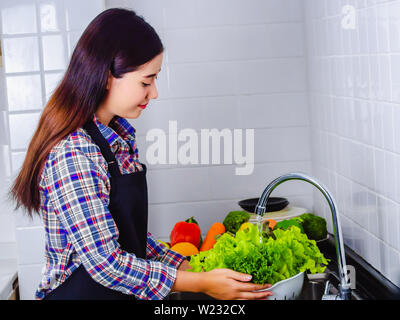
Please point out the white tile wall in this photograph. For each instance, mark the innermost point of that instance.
(15, 54)
(22, 127)
(54, 52)
(18, 18)
(51, 81)
(354, 107)
(235, 42)
(228, 64)
(80, 13)
(321, 100)
(29, 277)
(24, 92)
(37, 38)
(225, 12)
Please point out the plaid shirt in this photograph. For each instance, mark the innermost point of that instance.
(79, 228)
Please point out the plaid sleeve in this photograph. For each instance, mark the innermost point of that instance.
(159, 252)
(78, 192)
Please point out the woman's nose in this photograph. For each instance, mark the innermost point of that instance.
(153, 92)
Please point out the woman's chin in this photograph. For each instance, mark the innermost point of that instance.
(133, 115)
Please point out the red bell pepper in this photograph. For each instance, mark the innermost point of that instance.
(185, 232)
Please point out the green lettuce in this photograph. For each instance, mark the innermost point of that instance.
(268, 259)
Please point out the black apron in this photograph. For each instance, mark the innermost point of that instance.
(128, 206)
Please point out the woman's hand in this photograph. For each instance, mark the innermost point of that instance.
(184, 265)
(222, 284)
(226, 284)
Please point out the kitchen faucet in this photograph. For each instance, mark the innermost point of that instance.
(344, 287)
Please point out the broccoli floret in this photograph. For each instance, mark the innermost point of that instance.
(314, 226)
(284, 224)
(234, 220)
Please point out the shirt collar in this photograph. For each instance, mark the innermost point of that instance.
(123, 127)
(118, 130)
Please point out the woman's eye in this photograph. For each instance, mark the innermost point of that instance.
(148, 84)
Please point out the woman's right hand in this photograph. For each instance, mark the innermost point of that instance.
(226, 284)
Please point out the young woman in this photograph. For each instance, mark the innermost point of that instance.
(83, 176)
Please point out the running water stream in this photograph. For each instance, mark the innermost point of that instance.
(259, 226)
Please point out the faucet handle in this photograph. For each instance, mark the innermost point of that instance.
(327, 295)
(327, 287)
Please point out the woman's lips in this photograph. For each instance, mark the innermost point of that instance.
(143, 106)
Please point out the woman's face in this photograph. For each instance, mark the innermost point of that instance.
(126, 95)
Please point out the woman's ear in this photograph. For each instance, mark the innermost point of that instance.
(109, 79)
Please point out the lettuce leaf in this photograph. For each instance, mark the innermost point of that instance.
(267, 259)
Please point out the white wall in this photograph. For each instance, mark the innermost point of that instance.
(355, 116)
(227, 64)
(37, 38)
(238, 64)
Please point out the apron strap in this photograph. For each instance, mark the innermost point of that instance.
(99, 139)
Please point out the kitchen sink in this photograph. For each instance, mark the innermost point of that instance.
(323, 286)
(313, 289)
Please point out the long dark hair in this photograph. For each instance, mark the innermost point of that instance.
(116, 41)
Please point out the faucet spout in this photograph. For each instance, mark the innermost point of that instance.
(261, 209)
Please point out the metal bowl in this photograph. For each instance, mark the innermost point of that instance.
(288, 289)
